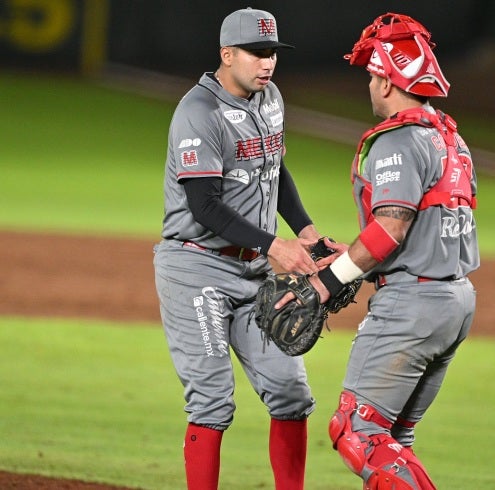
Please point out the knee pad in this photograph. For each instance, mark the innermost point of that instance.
(378, 459)
(340, 422)
(350, 445)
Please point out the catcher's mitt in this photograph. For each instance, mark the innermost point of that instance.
(296, 326)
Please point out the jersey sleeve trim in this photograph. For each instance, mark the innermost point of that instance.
(211, 173)
(396, 202)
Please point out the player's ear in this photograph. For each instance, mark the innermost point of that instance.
(226, 54)
(386, 87)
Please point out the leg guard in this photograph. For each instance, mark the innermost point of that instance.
(395, 467)
(378, 459)
(350, 445)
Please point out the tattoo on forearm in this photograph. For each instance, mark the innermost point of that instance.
(396, 212)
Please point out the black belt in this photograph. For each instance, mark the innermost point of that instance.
(232, 251)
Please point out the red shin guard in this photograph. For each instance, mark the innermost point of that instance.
(202, 457)
(395, 467)
(381, 461)
(288, 446)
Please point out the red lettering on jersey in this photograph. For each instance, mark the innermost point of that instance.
(267, 27)
(249, 149)
(438, 142)
(189, 158)
(274, 142)
(256, 147)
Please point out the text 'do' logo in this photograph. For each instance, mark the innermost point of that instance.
(189, 142)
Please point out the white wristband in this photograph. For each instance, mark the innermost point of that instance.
(345, 269)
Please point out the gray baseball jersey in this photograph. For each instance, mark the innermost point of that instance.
(401, 166)
(214, 133)
(207, 299)
(415, 323)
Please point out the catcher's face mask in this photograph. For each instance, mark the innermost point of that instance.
(397, 47)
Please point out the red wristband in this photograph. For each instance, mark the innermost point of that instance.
(378, 241)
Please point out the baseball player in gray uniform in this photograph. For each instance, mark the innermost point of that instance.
(225, 182)
(415, 187)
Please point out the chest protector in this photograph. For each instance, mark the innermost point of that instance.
(452, 190)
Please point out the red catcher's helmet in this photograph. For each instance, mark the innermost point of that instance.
(397, 47)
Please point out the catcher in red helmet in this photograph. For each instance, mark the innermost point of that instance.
(399, 48)
(414, 185)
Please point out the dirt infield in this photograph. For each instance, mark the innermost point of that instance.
(13, 481)
(48, 275)
(112, 278)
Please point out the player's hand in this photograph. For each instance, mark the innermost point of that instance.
(318, 285)
(340, 248)
(309, 232)
(292, 256)
(286, 299)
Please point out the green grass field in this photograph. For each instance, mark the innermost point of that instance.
(101, 401)
(79, 158)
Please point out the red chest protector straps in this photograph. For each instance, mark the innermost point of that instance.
(453, 189)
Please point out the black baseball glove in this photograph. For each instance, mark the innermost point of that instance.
(297, 326)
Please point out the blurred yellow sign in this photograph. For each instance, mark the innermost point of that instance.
(37, 26)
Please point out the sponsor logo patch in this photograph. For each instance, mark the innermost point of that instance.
(272, 173)
(189, 158)
(387, 177)
(395, 159)
(238, 174)
(235, 116)
(277, 119)
(209, 313)
(203, 326)
(186, 143)
(271, 107)
(242, 176)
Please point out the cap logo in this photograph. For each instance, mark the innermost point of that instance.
(267, 27)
